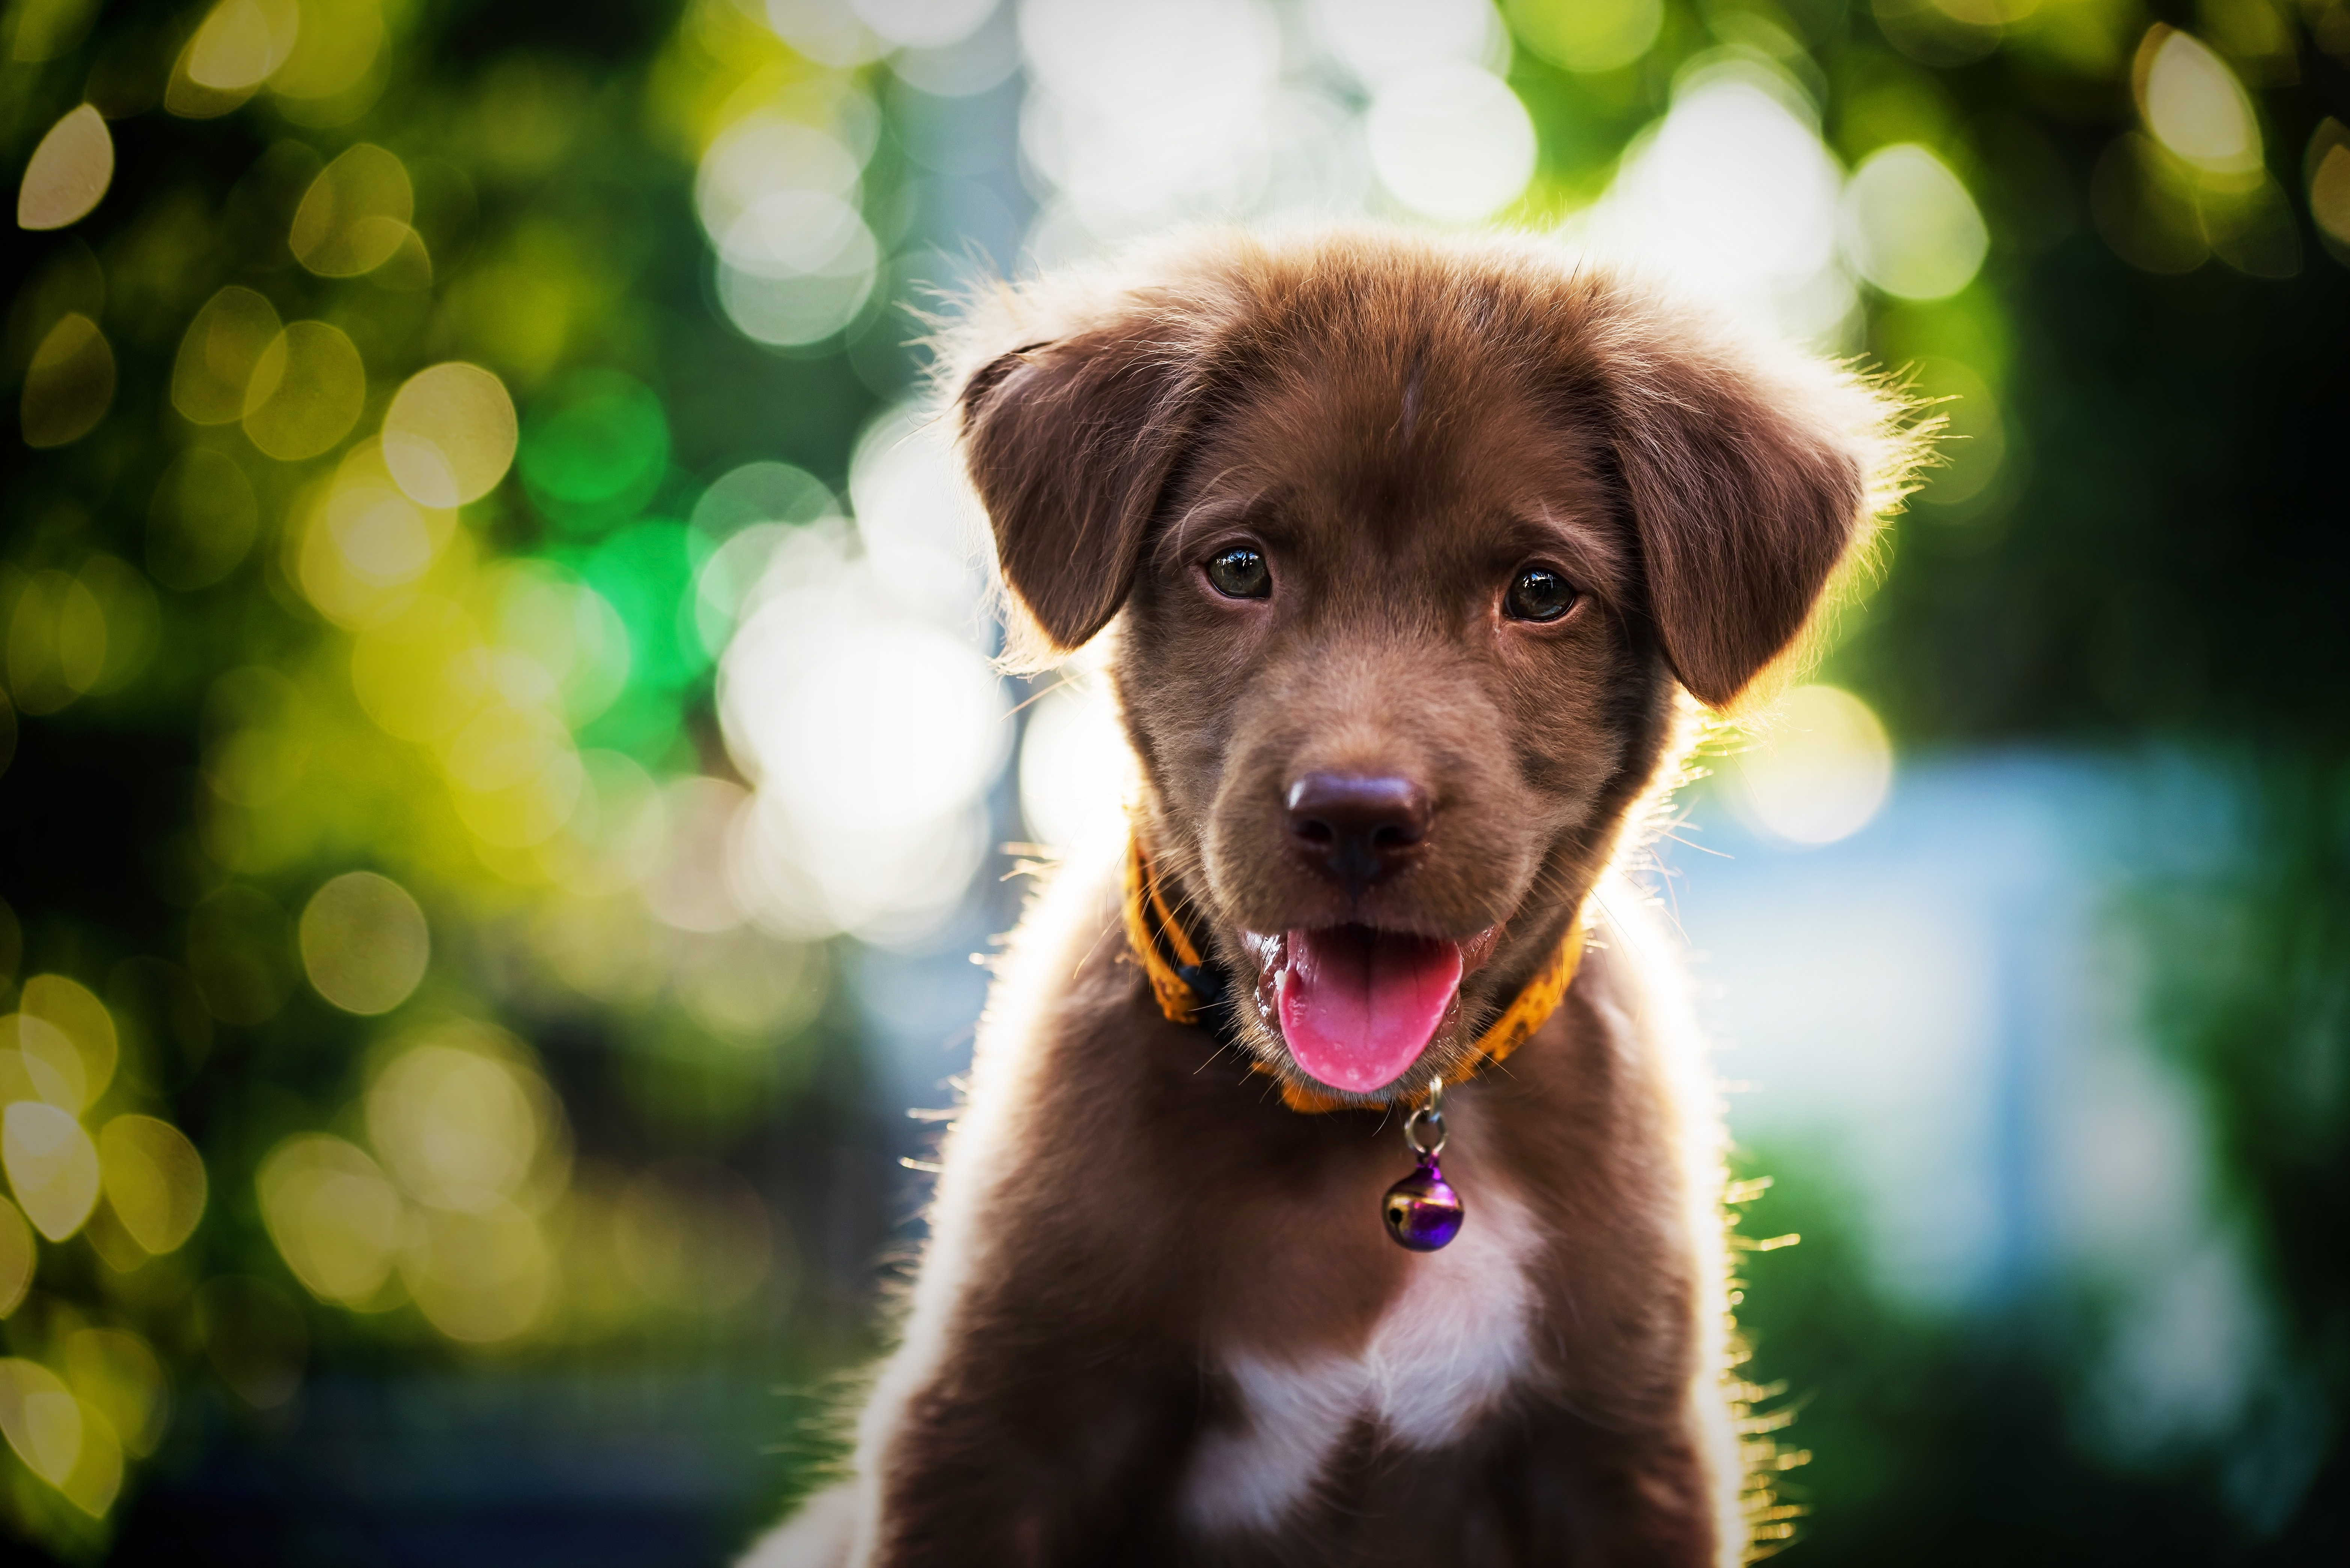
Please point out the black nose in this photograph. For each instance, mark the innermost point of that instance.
(1353, 828)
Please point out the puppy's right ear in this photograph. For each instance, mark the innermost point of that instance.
(1752, 473)
(1069, 444)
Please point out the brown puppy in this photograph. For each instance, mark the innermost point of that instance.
(1417, 551)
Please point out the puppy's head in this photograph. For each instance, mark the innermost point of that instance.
(1413, 542)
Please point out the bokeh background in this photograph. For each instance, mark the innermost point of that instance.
(502, 784)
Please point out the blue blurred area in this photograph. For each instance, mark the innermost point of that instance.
(1938, 1034)
(1947, 1000)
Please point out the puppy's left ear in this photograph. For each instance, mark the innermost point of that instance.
(1750, 476)
(1069, 443)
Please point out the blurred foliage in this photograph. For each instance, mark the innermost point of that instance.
(377, 529)
(331, 748)
(1946, 1440)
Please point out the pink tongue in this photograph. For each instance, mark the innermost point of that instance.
(1357, 1005)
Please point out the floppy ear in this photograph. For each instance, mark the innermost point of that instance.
(1749, 482)
(1069, 444)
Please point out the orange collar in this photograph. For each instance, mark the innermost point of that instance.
(1175, 964)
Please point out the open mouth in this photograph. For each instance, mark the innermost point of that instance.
(1357, 1004)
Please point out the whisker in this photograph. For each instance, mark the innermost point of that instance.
(1700, 849)
(1066, 680)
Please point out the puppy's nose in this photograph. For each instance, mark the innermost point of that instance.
(1354, 828)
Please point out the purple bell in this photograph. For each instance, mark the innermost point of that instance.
(1422, 1211)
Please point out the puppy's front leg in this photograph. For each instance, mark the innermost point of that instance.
(1627, 1498)
(1013, 1457)
(1048, 1385)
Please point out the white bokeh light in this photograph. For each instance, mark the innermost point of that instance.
(749, 512)
(871, 735)
(976, 63)
(865, 720)
(768, 154)
(1150, 109)
(1733, 192)
(1444, 133)
(1909, 227)
(1821, 771)
(892, 885)
(1451, 142)
(779, 198)
(922, 528)
(828, 31)
(923, 24)
(1075, 770)
(787, 232)
(2197, 107)
(1229, 109)
(1378, 40)
(778, 301)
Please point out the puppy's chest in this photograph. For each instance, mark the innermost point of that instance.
(1446, 1349)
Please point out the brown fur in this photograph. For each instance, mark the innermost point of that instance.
(1398, 424)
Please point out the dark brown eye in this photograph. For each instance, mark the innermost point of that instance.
(1241, 573)
(1539, 594)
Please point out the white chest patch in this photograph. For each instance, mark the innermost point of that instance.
(1445, 1350)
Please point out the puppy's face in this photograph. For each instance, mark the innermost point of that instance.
(1386, 673)
(1413, 542)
